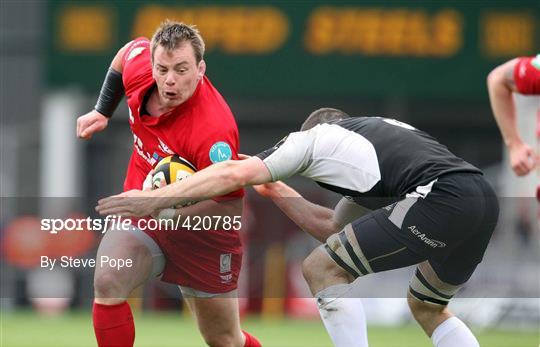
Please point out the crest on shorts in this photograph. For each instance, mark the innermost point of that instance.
(225, 262)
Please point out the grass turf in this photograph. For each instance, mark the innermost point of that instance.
(22, 329)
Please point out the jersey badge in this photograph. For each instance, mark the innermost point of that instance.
(220, 151)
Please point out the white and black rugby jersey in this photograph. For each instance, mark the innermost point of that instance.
(374, 160)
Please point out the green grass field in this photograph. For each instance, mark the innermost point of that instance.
(25, 329)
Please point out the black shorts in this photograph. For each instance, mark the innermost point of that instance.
(447, 223)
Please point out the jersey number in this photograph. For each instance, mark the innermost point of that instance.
(398, 123)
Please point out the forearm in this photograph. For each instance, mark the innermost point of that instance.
(502, 103)
(216, 180)
(112, 90)
(314, 219)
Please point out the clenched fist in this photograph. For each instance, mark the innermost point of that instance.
(91, 123)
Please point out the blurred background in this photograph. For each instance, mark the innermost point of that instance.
(424, 63)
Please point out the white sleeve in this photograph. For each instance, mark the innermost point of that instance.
(346, 211)
(290, 156)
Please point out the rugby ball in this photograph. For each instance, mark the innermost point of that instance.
(171, 169)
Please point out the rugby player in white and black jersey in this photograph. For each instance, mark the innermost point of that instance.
(407, 200)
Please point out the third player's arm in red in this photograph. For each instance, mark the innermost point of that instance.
(501, 85)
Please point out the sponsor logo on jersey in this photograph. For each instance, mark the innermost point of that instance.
(220, 151)
(430, 242)
(139, 148)
(164, 147)
(225, 261)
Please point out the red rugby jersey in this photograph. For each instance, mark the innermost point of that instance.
(527, 75)
(201, 130)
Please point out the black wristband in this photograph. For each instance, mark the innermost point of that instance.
(111, 93)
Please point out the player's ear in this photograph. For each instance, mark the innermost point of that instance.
(202, 69)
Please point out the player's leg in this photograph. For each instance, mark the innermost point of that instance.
(361, 248)
(428, 298)
(341, 312)
(113, 321)
(207, 266)
(435, 282)
(218, 318)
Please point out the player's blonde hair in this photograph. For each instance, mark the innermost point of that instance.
(171, 34)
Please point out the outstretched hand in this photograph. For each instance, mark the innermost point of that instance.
(133, 203)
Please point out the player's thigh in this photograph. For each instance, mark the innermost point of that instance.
(217, 315)
(364, 247)
(134, 246)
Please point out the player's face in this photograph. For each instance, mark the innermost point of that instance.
(176, 73)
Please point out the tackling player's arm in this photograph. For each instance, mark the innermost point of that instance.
(289, 157)
(110, 96)
(501, 85)
(211, 208)
(318, 221)
(215, 180)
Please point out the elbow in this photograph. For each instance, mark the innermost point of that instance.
(494, 78)
(498, 82)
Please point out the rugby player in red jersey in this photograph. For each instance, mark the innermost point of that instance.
(173, 109)
(521, 75)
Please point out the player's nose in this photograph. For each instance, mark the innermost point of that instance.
(169, 80)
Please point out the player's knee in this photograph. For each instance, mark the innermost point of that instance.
(108, 285)
(424, 311)
(318, 267)
(309, 267)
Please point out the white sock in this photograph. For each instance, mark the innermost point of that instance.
(453, 333)
(343, 316)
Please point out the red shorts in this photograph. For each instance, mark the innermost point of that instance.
(207, 261)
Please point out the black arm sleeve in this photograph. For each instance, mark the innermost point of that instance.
(111, 93)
